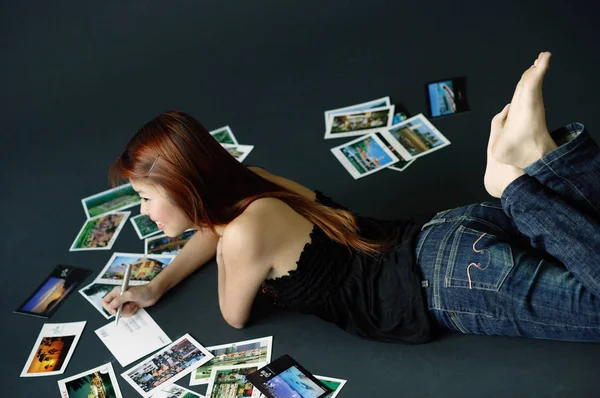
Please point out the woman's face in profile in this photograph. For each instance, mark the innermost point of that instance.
(156, 204)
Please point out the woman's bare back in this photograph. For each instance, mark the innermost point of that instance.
(285, 223)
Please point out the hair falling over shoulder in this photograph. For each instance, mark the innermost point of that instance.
(211, 187)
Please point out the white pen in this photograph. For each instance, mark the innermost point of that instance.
(124, 287)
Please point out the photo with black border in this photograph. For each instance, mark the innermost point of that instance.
(446, 97)
(46, 299)
(284, 377)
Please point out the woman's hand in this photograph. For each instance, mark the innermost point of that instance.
(134, 298)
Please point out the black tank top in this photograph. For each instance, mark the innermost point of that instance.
(375, 297)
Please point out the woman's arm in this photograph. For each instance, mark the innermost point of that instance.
(248, 246)
(198, 250)
(201, 247)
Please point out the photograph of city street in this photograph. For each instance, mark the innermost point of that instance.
(118, 198)
(97, 384)
(232, 383)
(418, 136)
(162, 244)
(51, 354)
(171, 362)
(143, 268)
(359, 121)
(99, 232)
(250, 352)
(366, 155)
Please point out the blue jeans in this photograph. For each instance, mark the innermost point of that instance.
(528, 265)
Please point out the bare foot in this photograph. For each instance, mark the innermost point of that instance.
(498, 175)
(525, 137)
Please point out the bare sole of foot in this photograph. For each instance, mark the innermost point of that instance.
(525, 137)
(498, 175)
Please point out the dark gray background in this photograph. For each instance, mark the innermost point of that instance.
(79, 78)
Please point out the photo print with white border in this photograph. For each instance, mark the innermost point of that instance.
(240, 152)
(397, 150)
(376, 103)
(53, 349)
(143, 268)
(110, 201)
(100, 232)
(224, 135)
(356, 123)
(147, 377)
(242, 352)
(335, 384)
(364, 155)
(163, 244)
(144, 226)
(100, 382)
(418, 136)
(225, 380)
(94, 293)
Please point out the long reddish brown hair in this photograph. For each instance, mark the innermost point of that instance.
(210, 186)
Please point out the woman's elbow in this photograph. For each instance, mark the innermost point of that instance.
(235, 321)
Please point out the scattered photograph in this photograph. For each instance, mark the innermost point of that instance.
(144, 226)
(360, 123)
(94, 293)
(365, 155)
(174, 391)
(100, 382)
(224, 135)
(447, 97)
(284, 377)
(53, 349)
(334, 384)
(162, 244)
(405, 158)
(143, 268)
(240, 152)
(100, 233)
(243, 352)
(110, 201)
(45, 300)
(376, 103)
(418, 136)
(231, 382)
(167, 366)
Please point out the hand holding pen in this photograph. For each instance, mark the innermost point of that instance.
(127, 300)
(124, 287)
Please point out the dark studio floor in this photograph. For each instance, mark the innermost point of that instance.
(79, 79)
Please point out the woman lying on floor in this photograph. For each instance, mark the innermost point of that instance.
(528, 265)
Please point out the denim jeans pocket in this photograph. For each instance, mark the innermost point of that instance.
(478, 261)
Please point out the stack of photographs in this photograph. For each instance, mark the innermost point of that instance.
(384, 141)
(105, 219)
(144, 268)
(225, 137)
